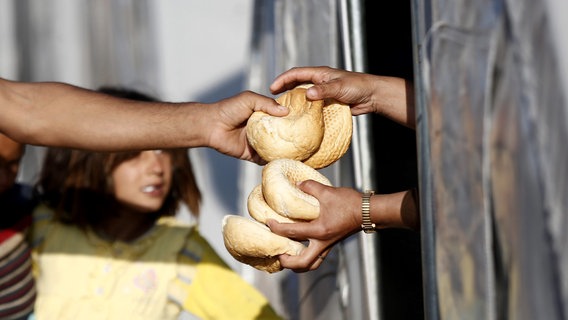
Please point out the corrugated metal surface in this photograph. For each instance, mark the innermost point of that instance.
(494, 164)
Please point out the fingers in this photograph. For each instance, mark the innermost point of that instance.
(312, 187)
(301, 230)
(295, 76)
(313, 256)
(328, 83)
(273, 109)
(265, 104)
(309, 259)
(297, 231)
(317, 92)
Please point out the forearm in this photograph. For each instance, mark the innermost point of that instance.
(390, 97)
(396, 210)
(57, 114)
(394, 99)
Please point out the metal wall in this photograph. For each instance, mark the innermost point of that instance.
(493, 131)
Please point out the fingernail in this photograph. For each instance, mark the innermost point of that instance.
(311, 92)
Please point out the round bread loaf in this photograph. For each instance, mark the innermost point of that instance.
(260, 210)
(252, 243)
(313, 135)
(337, 135)
(279, 188)
(296, 136)
(317, 132)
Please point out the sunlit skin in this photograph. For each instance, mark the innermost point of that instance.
(390, 97)
(46, 113)
(340, 208)
(141, 185)
(11, 153)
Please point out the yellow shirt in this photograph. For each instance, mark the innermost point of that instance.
(170, 269)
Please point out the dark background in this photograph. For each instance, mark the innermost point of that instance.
(389, 52)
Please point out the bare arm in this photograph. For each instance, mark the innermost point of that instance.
(57, 114)
(340, 216)
(390, 97)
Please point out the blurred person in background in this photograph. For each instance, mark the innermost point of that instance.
(107, 244)
(17, 289)
(46, 113)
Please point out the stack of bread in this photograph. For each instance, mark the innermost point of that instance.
(312, 136)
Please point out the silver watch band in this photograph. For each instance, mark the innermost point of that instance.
(368, 226)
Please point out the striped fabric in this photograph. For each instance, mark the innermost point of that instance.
(17, 287)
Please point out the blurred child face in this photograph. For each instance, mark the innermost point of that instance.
(11, 154)
(143, 182)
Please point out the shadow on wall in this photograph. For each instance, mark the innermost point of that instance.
(227, 170)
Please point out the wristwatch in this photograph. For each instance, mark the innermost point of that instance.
(367, 225)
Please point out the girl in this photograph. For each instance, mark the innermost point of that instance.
(106, 245)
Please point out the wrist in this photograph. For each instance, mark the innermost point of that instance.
(393, 99)
(367, 224)
(395, 210)
(200, 125)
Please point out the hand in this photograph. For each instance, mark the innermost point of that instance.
(339, 218)
(355, 89)
(229, 134)
(365, 93)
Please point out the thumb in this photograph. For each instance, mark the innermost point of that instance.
(272, 108)
(312, 187)
(322, 91)
(315, 92)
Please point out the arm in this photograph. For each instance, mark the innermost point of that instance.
(62, 115)
(340, 217)
(388, 96)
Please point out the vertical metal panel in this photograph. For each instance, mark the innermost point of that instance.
(354, 59)
(122, 44)
(458, 53)
(59, 41)
(553, 137)
(85, 43)
(282, 41)
(8, 40)
(530, 162)
(51, 41)
(421, 22)
(492, 126)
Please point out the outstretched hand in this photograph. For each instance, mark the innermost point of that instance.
(355, 89)
(229, 134)
(391, 97)
(338, 219)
